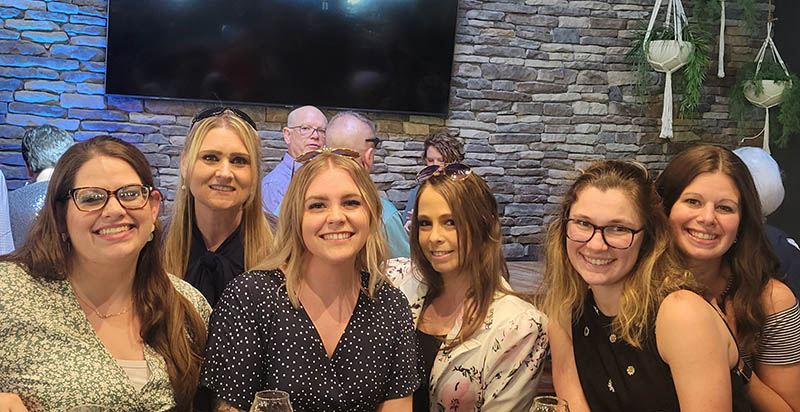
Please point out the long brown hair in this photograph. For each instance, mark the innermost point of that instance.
(256, 233)
(169, 322)
(657, 271)
(751, 258)
(480, 252)
(290, 251)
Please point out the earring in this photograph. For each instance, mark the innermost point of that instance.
(64, 237)
(183, 187)
(151, 236)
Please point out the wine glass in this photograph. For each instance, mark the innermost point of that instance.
(271, 401)
(549, 404)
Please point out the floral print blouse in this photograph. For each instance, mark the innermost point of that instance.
(498, 368)
(53, 360)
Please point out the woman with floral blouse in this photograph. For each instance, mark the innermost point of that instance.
(480, 346)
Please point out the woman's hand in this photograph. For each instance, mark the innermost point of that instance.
(10, 402)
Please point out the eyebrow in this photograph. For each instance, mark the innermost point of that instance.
(218, 152)
(699, 195)
(326, 197)
(612, 222)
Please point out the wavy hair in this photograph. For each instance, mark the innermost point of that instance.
(656, 273)
(170, 324)
(289, 249)
(256, 233)
(480, 251)
(449, 146)
(751, 258)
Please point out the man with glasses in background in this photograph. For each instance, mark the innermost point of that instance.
(351, 130)
(304, 131)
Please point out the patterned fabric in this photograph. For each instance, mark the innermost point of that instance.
(24, 205)
(258, 340)
(275, 183)
(498, 369)
(6, 237)
(51, 357)
(780, 338)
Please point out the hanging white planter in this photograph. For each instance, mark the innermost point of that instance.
(771, 96)
(666, 56)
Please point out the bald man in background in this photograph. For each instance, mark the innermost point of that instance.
(304, 131)
(350, 130)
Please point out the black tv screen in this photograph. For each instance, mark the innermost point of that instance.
(383, 55)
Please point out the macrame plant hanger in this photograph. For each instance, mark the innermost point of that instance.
(721, 58)
(767, 103)
(671, 55)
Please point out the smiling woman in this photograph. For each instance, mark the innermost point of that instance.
(218, 229)
(319, 320)
(88, 314)
(626, 331)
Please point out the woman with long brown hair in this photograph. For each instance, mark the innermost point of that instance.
(481, 346)
(716, 220)
(88, 315)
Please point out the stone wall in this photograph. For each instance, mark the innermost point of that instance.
(539, 87)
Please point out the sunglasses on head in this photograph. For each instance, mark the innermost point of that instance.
(352, 154)
(455, 171)
(216, 111)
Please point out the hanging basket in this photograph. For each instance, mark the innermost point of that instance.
(666, 56)
(772, 94)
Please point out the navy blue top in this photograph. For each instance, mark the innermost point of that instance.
(258, 341)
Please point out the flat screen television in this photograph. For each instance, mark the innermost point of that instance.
(374, 55)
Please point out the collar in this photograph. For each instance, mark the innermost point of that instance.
(45, 175)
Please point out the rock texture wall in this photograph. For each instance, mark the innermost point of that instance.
(539, 87)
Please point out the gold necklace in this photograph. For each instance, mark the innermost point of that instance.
(97, 312)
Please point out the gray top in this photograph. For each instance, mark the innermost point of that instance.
(24, 205)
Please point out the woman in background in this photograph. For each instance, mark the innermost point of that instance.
(626, 332)
(440, 148)
(716, 220)
(481, 346)
(218, 229)
(88, 315)
(318, 319)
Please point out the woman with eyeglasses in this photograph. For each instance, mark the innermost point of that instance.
(88, 315)
(318, 319)
(716, 221)
(480, 345)
(218, 229)
(627, 332)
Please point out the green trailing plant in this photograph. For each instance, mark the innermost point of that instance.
(787, 122)
(693, 74)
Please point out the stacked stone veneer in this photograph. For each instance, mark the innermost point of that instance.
(539, 87)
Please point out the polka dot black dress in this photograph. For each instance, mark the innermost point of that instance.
(258, 341)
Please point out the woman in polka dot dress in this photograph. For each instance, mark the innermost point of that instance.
(639, 339)
(481, 346)
(321, 322)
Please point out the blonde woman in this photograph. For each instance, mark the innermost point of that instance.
(218, 229)
(626, 332)
(481, 346)
(318, 319)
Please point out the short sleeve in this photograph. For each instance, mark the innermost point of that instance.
(779, 344)
(403, 378)
(234, 352)
(396, 236)
(515, 352)
(193, 296)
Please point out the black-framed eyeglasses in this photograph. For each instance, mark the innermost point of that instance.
(455, 171)
(352, 154)
(615, 236)
(216, 111)
(375, 141)
(90, 199)
(307, 131)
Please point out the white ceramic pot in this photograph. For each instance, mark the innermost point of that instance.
(772, 95)
(668, 55)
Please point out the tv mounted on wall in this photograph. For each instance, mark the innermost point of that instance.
(378, 55)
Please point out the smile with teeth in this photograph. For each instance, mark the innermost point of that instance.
(598, 261)
(114, 230)
(337, 236)
(222, 188)
(701, 235)
(438, 253)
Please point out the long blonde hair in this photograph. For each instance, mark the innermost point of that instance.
(289, 249)
(657, 271)
(256, 233)
(480, 250)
